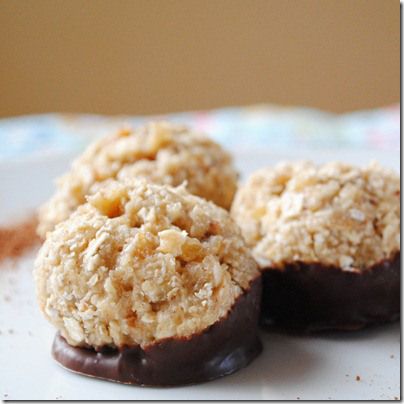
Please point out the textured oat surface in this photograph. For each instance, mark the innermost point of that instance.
(141, 262)
(333, 214)
(161, 152)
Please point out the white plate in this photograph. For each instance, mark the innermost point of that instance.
(291, 367)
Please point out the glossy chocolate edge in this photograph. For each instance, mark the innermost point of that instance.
(305, 297)
(225, 347)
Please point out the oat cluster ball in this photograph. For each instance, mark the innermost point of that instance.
(334, 214)
(139, 263)
(161, 152)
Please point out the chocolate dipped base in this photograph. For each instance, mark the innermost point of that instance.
(314, 297)
(225, 347)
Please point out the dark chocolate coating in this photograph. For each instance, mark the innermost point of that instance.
(313, 297)
(225, 347)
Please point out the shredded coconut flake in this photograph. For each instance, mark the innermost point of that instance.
(161, 152)
(137, 277)
(334, 214)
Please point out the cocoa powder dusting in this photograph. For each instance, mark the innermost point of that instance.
(15, 240)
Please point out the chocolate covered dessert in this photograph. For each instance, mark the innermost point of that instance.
(327, 240)
(149, 285)
(160, 152)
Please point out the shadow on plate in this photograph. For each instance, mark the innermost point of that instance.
(392, 330)
(283, 362)
(370, 332)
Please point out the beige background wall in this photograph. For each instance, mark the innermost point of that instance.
(149, 56)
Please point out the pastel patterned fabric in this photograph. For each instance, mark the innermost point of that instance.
(279, 128)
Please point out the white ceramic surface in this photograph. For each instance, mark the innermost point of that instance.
(291, 367)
